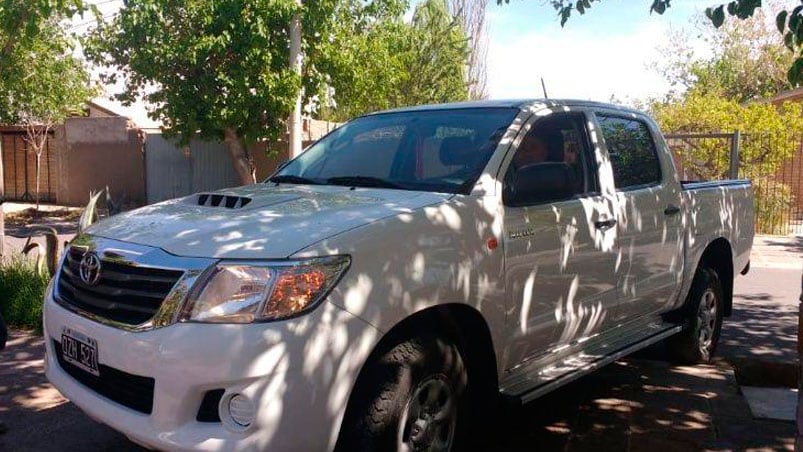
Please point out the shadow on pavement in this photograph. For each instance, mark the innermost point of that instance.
(38, 418)
(637, 404)
(644, 405)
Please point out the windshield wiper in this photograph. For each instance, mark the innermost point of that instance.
(362, 181)
(292, 179)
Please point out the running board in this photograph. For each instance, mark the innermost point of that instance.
(527, 386)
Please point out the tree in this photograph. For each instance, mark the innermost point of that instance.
(55, 86)
(27, 25)
(707, 113)
(436, 56)
(217, 69)
(471, 15)
(422, 61)
(789, 22)
(748, 60)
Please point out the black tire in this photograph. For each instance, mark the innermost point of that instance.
(384, 398)
(698, 341)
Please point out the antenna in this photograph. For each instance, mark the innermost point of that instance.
(543, 86)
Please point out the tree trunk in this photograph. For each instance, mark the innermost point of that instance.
(243, 163)
(38, 173)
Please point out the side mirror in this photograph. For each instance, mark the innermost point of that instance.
(540, 183)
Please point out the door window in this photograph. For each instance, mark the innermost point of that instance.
(632, 152)
(557, 138)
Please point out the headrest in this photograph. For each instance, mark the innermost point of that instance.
(457, 151)
(554, 143)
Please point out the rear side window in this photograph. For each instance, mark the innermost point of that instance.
(632, 151)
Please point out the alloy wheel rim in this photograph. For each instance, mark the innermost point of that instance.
(429, 417)
(707, 319)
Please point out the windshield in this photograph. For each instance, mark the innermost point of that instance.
(437, 150)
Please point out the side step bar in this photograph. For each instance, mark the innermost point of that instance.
(576, 366)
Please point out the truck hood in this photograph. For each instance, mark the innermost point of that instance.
(261, 221)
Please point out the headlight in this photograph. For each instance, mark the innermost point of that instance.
(244, 292)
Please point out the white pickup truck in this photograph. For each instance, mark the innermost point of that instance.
(384, 288)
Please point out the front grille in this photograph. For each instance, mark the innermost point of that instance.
(132, 391)
(124, 293)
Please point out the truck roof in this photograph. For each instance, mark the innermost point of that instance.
(510, 103)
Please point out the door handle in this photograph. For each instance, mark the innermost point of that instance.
(671, 210)
(605, 224)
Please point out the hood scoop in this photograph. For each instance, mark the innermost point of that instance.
(227, 201)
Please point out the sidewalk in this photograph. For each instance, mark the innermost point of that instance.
(763, 327)
(632, 405)
(777, 252)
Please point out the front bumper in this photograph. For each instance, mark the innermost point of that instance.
(298, 373)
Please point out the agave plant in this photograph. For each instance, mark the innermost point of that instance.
(47, 257)
(90, 213)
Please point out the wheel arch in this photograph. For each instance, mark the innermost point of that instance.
(718, 256)
(462, 324)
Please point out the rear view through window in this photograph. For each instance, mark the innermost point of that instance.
(633, 157)
(437, 150)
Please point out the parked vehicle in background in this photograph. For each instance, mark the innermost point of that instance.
(381, 291)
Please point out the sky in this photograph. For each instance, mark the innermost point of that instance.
(606, 52)
(602, 55)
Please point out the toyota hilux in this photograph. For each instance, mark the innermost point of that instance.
(387, 287)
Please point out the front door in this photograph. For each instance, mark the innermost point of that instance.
(560, 255)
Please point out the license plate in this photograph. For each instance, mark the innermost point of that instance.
(80, 350)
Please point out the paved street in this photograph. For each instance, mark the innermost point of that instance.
(639, 404)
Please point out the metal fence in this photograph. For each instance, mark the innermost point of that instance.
(773, 163)
(173, 170)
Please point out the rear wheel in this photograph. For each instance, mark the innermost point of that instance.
(704, 309)
(411, 398)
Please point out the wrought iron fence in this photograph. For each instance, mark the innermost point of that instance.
(773, 163)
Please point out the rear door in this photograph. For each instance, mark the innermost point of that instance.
(648, 215)
(560, 256)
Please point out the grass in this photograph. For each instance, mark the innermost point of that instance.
(22, 290)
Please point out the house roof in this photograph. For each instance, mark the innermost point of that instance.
(789, 95)
(96, 106)
(136, 112)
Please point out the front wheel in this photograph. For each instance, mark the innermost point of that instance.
(411, 398)
(704, 310)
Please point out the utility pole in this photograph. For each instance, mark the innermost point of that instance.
(296, 62)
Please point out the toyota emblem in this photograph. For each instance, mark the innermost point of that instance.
(90, 269)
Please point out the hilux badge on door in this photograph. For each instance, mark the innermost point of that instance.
(90, 269)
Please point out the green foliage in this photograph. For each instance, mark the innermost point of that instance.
(436, 55)
(206, 65)
(377, 61)
(773, 204)
(789, 22)
(748, 60)
(779, 130)
(22, 291)
(40, 81)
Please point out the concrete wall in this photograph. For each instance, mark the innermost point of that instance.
(90, 153)
(99, 152)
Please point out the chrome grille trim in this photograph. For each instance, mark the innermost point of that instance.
(128, 263)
